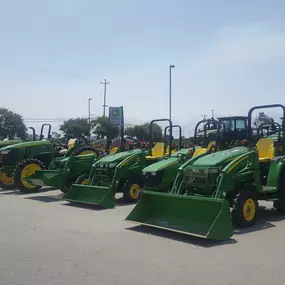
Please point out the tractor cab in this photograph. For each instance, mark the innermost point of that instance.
(235, 127)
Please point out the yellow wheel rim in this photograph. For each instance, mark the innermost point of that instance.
(85, 181)
(86, 152)
(249, 210)
(135, 191)
(6, 179)
(28, 170)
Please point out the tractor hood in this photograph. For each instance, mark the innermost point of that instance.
(219, 158)
(166, 161)
(117, 157)
(25, 144)
(9, 142)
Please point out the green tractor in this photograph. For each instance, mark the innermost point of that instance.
(214, 135)
(68, 170)
(209, 186)
(119, 173)
(23, 159)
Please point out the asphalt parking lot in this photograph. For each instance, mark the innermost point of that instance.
(44, 240)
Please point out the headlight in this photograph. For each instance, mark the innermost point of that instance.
(112, 165)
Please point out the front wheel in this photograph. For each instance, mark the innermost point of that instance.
(82, 179)
(132, 190)
(25, 169)
(6, 182)
(244, 208)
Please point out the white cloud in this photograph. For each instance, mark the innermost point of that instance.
(239, 66)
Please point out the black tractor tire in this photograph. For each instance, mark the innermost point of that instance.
(82, 179)
(279, 205)
(245, 198)
(18, 171)
(7, 186)
(80, 150)
(132, 189)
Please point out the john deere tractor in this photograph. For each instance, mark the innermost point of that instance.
(24, 159)
(213, 192)
(68, 170)
(120, 172)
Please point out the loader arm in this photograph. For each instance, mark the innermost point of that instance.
(236, 172)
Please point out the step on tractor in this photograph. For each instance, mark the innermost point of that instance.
(68, 170)
(24, 159)
(120, 173)
(214, 192)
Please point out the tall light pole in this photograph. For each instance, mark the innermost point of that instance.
(213, 114)
(105, 82)
(170, 67)
(89, 118)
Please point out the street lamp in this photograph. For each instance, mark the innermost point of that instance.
(89, 112)
(170, 67)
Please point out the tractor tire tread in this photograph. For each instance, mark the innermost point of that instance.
(17, 174)
(238, 202)
(126, 188)
(83, 148)
(81, 178)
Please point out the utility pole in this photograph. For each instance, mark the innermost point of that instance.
(105, 82)
(170, 67)
(89, 118)
(204, 116)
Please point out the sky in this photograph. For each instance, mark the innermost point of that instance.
(228, 56)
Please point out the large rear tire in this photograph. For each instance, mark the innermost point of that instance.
(244, 208)
(86, 149)
(24, 169)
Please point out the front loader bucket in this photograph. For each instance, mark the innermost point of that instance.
(95, 195)
(199, 216)
(52, 178)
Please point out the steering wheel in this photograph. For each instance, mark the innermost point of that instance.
(182, 156)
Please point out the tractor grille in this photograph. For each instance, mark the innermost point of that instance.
(150, 180)
(103, 175)
(201, 178)
(8, 159)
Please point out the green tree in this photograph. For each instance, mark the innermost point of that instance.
(141, 132)
(11, 125)
(76, 127)
(262, 118)
(101, 127)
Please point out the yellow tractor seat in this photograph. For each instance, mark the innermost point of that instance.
(265, 147)
(114, 150)
(210, 145)
(71, 143)
(157, 151)
(199, 151)
(167, 151)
